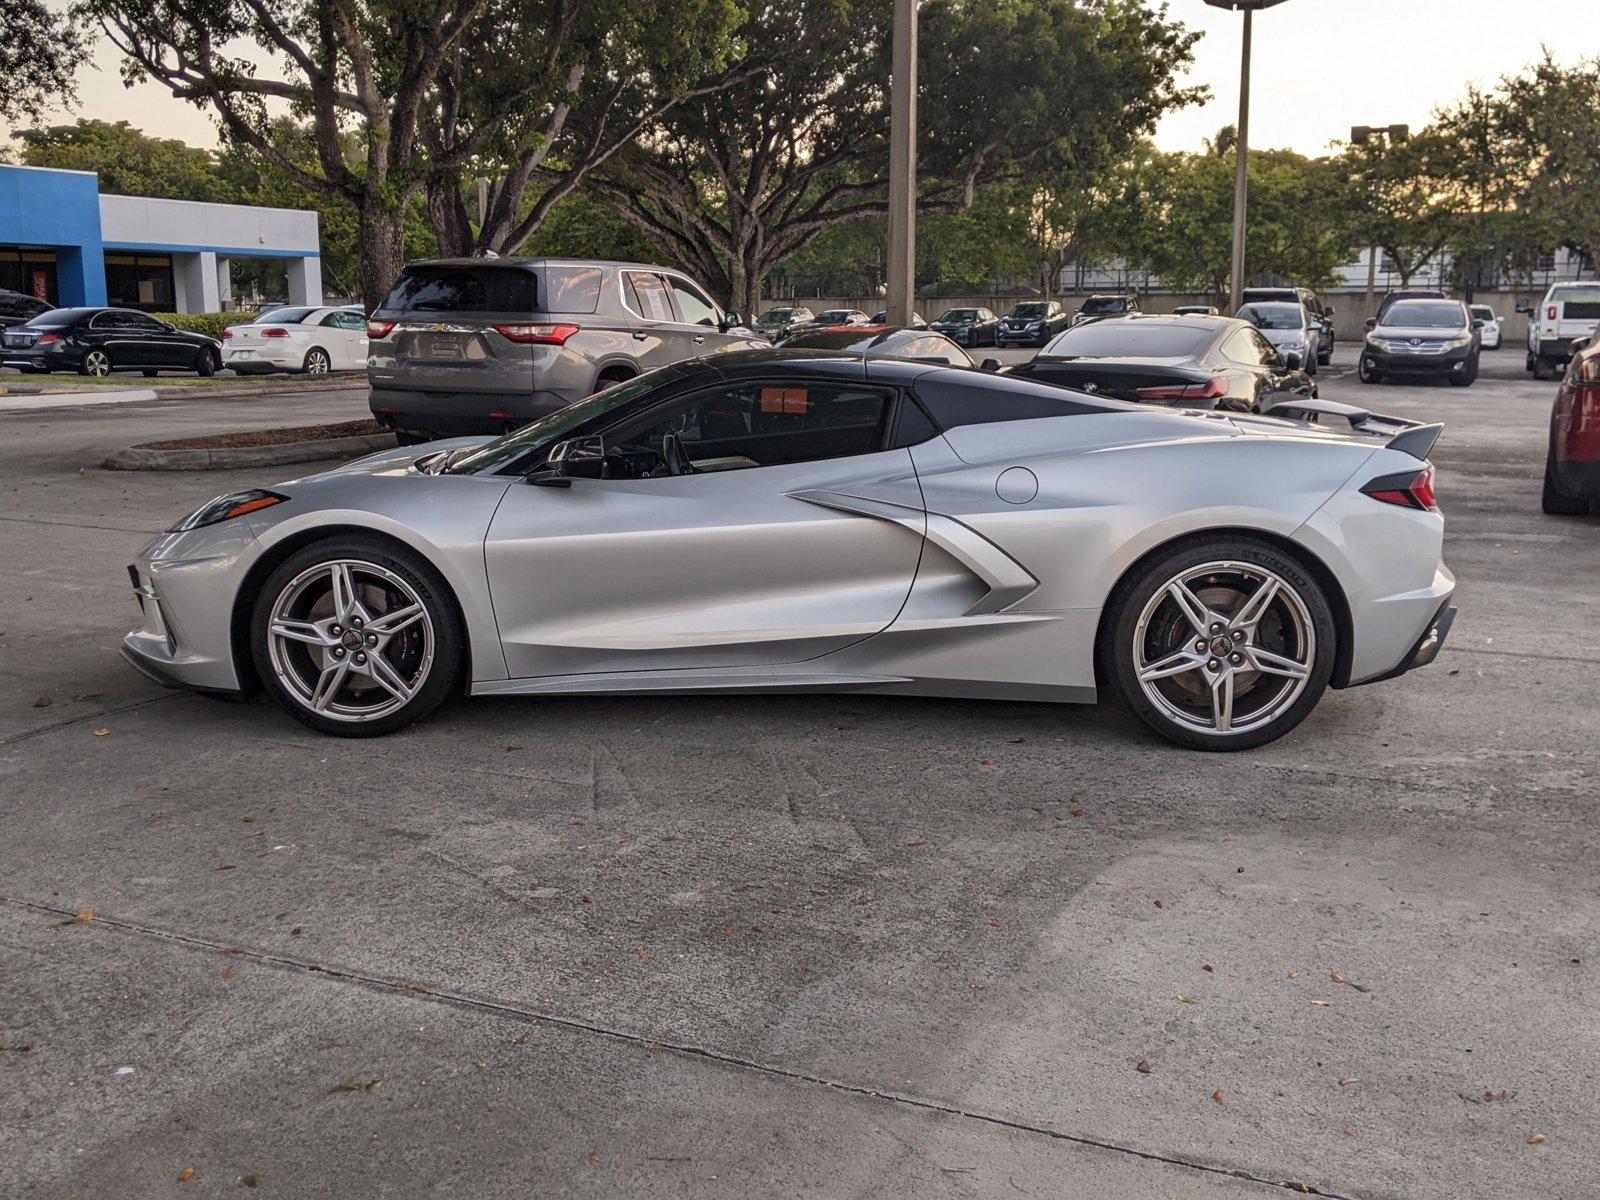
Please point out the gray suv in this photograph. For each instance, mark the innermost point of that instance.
(484, 345)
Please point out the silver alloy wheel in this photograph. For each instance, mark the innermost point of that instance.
(1224, 647)
(350, 640)
(98, 363)
(317, 363)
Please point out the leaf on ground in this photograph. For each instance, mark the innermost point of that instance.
(1217, 1095)
(101, 732)
(43, 702)
(1349, 1131)
(646, 954)
(1320, 1003)
(411, 987)
(986, 762)
(1493, 1096)
(1537, 1139)
(1336, 977)
(1361, 987)
(1294, 974)
(594, 1157)
(1142, 1067)
(918, 842)
(584, 900)
(16, 1047)
(185, 1175)
(1207, 967)
(1077, 812)
(1186, 1000)
(520, 1040)
(1349, 1079)
(1160, 905)
(227, 974)
(251, 1181)
(85, 915)
(228, 867)
(355, 1085)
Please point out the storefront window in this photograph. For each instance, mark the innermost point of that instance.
(140, 281)
(31, 272)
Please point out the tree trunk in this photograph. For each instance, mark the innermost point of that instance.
(380, 241)
(449, 217)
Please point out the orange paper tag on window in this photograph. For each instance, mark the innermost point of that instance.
(784, 400)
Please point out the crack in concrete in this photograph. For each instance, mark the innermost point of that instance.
(412, 991)
(24, 735)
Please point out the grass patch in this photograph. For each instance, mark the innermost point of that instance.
(268, 437)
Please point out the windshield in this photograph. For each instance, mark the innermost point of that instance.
(836, 316)
(59, 318)
(557, 426)
(1483, 312)
(1030, 310)
(1132, 339)
(774, 316)
(1426, 314)
(1104, 304)
(282, 316)
(1273, 316)
(959, 316)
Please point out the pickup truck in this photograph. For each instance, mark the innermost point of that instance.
(1568, 311)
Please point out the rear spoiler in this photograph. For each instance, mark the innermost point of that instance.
(1413, 437)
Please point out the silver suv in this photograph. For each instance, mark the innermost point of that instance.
(475, 345)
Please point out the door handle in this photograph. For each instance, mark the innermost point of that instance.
(698, 338)
(640, 335)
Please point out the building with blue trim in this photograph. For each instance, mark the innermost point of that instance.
(64, 242)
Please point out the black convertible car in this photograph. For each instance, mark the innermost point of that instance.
(97, 341)
(1190, 361)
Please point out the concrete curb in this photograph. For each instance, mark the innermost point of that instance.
(232, 458)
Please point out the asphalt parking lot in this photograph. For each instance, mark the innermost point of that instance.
(800, 946)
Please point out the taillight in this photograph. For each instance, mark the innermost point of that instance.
(537, 335)
(274, 332)
(1550, 313)
(227, 334)
(48, 339)
(1586, 372)
(1213, 389)
(1408, 489)
(378, 330)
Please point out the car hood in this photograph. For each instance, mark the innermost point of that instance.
(1424, 332)
(1282, 337)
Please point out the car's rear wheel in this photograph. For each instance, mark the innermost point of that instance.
(611, 376)
(206, 363)
(95, 362)
(1221, 643)
(1554, 501)
(357, 637)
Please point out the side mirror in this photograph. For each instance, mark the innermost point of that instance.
(575, 458)
(1292, 362)
(1371, 323)
(169, 328)
(1327, 310)
(1524, 306)
(989, 364)
(729, 320)
(1479, 323)
(1579, 345)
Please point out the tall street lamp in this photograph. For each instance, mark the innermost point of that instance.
(1241, 185)
(901, 287)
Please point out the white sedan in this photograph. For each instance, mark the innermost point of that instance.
(1490, 333)
(311, 340)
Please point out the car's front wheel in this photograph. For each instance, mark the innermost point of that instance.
(357, 636)
(1220, 643)
(95, 362)
(1554, 501)
(1367, 373)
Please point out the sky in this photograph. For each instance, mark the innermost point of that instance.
(1321, 66)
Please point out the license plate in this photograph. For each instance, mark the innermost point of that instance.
(444, 347)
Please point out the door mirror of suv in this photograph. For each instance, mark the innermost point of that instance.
(729, 320)
(1478, 322)
(989, 364)
(1292, 361)
(1327, 310)
(1524, 306)
(1371, 323)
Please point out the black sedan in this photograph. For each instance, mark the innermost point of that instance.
(1032, 323)
(1188, 361)
(17, 307)
(97, 341)
(968, 326)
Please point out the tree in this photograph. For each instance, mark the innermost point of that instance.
(39, 52)
(1289, 235)
(128, 161)
(427, 89)
(731, 185)
(1401, 198)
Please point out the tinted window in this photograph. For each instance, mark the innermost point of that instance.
(460, 289)
(1030, 310)
(283, 316)
(572, 289)
(693, 308)
(1133, 339)
(972, 398)
(1426, 314)
(1104, 305)
(754, 424)
(647, 296)
(1244, 347)
(143, 323)
(773, 316)
(835, 316)
(14, 304)
(1266, 353)
(959, 316)
(1482, 312)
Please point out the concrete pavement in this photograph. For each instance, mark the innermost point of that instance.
(822, 946)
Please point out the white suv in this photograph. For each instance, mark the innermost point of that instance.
(1568, 310)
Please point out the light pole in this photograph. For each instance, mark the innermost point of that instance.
(1241, 183)
(901, 283)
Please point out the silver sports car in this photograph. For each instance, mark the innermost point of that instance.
(824, 521)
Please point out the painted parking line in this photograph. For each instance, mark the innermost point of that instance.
(37, 401)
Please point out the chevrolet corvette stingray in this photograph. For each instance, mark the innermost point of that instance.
(823, 520)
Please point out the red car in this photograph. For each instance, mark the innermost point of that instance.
(1572, 470)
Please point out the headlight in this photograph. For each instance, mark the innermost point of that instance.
(225, 508)
(1378, 343)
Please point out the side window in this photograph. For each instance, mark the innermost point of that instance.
(350, 320)
(693, 308)
(647, 295)
(572, 289)
(111, 320)
(756, 424)
(1241, 349)
(332, 321)
(1266, 354)
(143, 323)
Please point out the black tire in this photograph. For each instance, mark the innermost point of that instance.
(404, 437)
(1540, 370)
(1366, 374)
(1145, 587)
(449, 640)
(1468, 377)
(1554, 501)
(150, 372)
(1311, 367)
(90, 363)
(205, 363)
(612, 376)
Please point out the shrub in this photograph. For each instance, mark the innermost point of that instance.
(209, 323)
